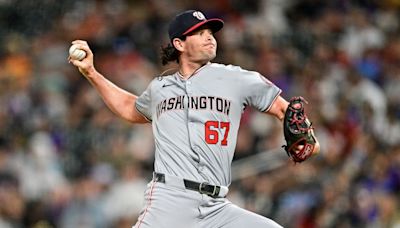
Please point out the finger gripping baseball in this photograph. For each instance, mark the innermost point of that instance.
(75, 53)
(297, 131)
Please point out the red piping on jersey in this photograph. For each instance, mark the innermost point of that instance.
(148, 206)
(276, 97)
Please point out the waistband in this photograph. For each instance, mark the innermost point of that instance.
(214, 191)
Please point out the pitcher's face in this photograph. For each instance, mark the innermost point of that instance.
(200, 46)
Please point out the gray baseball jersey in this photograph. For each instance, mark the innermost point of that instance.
(195, 124)
(195, 121)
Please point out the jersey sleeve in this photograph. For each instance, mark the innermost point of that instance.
(143, 103)
(259, 92)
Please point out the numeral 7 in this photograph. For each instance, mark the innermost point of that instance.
(212, 132)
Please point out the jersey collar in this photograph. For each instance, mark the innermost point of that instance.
(180, 76)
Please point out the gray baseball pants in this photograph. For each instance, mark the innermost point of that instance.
(171, 205)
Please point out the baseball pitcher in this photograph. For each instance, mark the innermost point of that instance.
(195, 115)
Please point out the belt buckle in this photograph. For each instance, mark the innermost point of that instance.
(158, 177)
(201, 186)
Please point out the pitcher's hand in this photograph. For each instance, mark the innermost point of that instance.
(85, 66)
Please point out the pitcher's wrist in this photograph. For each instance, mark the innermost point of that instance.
(90, 72)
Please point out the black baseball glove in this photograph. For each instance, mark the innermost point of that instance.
(298, 131)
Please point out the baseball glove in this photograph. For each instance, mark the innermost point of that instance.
(298, 131)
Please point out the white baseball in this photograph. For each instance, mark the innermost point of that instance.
(75, 53)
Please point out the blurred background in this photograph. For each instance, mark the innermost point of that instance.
(67, 161)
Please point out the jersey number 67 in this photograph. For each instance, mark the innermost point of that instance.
(212, 132)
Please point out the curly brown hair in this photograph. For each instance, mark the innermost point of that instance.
(168, 54)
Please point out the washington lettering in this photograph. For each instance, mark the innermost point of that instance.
(195, 103)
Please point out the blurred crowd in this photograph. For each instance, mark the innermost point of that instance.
(67, 161)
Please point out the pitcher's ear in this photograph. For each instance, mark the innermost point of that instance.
(178, 44)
